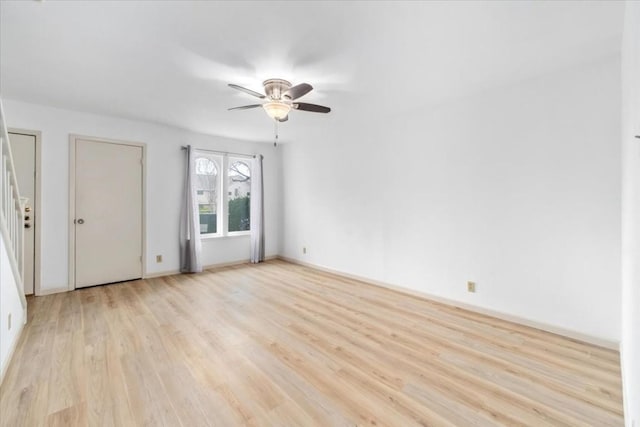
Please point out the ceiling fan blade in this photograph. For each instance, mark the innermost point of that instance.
(303, 106)
(284, 119)
(298, 90)
(249, 91)
(246, 107)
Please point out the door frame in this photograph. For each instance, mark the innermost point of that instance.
(72, 200)
(37, 254)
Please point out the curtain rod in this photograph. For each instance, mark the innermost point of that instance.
(222, 152)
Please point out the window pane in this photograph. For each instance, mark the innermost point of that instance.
(239, 184)
(207, 192)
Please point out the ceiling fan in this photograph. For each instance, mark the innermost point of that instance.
(280, 99)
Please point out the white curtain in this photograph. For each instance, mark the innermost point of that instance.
(257, 211)
(190, 244)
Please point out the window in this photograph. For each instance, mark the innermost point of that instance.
(239, 184)
(223, 188)
(207, 183)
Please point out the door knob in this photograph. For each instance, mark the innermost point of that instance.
(81, 221)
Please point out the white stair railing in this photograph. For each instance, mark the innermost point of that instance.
(11, 209)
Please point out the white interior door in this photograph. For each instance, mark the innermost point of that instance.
(108, 212)
(23, 150)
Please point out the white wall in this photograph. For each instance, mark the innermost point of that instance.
(9, 304)
(517, 188)
(630, 354)
(164, 185)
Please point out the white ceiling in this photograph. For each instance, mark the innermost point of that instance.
(170, 62)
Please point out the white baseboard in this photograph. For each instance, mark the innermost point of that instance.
(164, 273)
(600, 342)
(207, 267)
(625, 386)
(161, 274)
(12, 350)
(52, 291)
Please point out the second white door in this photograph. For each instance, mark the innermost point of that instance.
(108, 212)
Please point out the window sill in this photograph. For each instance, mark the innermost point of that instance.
(228, 235)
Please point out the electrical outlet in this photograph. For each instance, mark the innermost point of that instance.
(471, 286)
(158, 258)
(304, 249)
(9, 321)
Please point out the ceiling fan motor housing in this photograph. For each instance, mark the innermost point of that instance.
(275, 88)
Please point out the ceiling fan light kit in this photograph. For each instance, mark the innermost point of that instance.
(280, 96)
(277, 110)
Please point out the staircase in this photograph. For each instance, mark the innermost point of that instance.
(11, 212)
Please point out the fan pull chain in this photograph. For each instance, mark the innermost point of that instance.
(275, 141)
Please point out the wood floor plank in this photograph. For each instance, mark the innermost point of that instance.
(67, 380)
(75, 415)
(278, 344)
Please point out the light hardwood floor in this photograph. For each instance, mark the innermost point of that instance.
(278, 344)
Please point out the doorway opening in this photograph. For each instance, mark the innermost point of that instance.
(26, 152)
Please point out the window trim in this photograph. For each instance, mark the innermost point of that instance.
(224, 196)
(232, 235)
